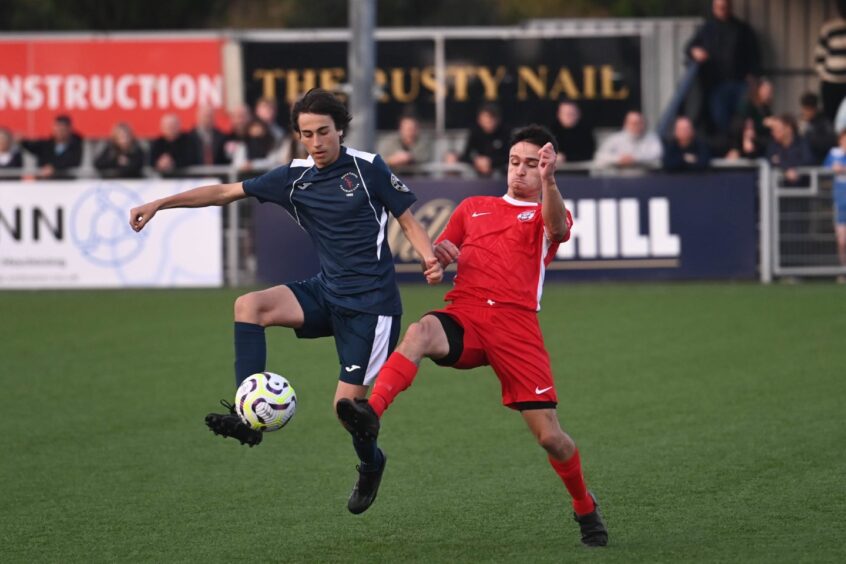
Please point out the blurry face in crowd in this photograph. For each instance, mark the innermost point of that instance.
(170, 127)
(765, 92)
(239, 117)
(61, 131)
(409, 129)
(5, 141)
(568, 114)
(320, 138)
(634, 124)
(781, 132)
(205, 118)
(487, 121)
(721, 9)
(265, 111)
(524, 180)
(122, 136)
(257, 129)
(684, 132)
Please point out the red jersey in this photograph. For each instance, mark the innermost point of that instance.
(504, 251)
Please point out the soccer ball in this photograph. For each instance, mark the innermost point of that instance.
(265, 401)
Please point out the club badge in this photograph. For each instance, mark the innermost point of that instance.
(349, 182)
(398, 185)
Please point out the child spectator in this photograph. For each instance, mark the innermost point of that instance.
(836, 161)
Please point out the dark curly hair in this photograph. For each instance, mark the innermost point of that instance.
(534, 134)
(323, 102)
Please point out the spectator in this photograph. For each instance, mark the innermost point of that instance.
(58, 153)
(239, 118)
(685, 152)
(408, 145)
(831, 62)
(122, 157)
(257, 151)
(631, 147)
(10, 155)
(576, 142)
(787, 150)
(727, 50)
(836, 160)
(487, 143)
(816, 129)
(756, 105)
(266, 112)
(207, 140)
(173, 149)
(746, 143)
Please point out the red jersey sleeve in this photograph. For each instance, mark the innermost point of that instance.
(454, 230)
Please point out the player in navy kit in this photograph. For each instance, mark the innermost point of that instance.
(341, 197)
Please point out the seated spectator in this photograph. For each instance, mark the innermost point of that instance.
(239, 118)
(787, 150)
(836, 160)
(173, 149)
(746, 144)
(207, 140)
(632, 147)
(816, 128)
(487, 143)
(408, 146)
(266, 111)
(757, 107)
(122, 157)
(576, 142)
(10, 155)
(257, 151)
(685, 151)
(58, 153)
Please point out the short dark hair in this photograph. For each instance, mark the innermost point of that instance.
(323, 102)
(809, 100)
(64, 119)
(534, 134)
(490, 108)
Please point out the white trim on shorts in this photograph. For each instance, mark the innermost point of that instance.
(379, 351)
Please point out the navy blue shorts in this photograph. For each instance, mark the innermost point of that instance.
(363, 340)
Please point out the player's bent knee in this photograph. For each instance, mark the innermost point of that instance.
(248, 309)
(557, 443)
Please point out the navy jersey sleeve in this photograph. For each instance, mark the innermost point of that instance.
(389, 189)
(270, 186)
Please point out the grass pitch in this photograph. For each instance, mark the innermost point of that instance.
(711, 421)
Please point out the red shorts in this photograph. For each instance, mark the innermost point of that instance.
(510, 341)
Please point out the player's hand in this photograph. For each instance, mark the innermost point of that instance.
(446, 252)
(141, 216)
(433, 271)
(546, 162)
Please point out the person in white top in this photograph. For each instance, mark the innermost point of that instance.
(630, 148)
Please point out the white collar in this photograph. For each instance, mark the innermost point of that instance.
(515, 202)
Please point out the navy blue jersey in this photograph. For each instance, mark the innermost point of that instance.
(344, 208)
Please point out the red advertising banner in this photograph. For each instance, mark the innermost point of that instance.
(99, 82)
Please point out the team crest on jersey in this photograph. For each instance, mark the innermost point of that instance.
(526, 215)
(398, 185)
(349, 182)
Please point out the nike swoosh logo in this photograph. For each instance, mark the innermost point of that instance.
(538, 391)
(351, 368)
(477, 214)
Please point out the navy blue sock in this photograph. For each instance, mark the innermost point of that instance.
(250, 350)
(369, 454)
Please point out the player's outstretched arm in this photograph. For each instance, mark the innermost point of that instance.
(553, 209)
(419, 239)
(213, 195)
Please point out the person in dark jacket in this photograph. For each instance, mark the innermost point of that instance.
(576, 142)
(487, 144)
(173, 149)
(58, 153)
(788, 150)
(817, 130)
(685, 152)
(727, 50)
(123, 156)
(208, 141)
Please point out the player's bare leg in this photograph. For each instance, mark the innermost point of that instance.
(275, 306)
(840, 232)
(564, 458)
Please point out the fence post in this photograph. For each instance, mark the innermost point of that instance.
(233, 209)
(765, 222)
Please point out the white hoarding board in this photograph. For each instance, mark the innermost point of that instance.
(76, 234)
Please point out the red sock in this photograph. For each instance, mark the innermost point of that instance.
(396, 375)
(570, 472)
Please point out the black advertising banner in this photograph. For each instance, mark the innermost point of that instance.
(656, 227)
(525, 77)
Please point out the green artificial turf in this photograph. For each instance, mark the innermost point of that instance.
(711, 421)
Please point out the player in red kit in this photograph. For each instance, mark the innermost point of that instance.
(502, 246)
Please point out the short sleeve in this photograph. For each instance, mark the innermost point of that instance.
(454, 230)
(270, 186)
(829, 159)
(390, 190)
